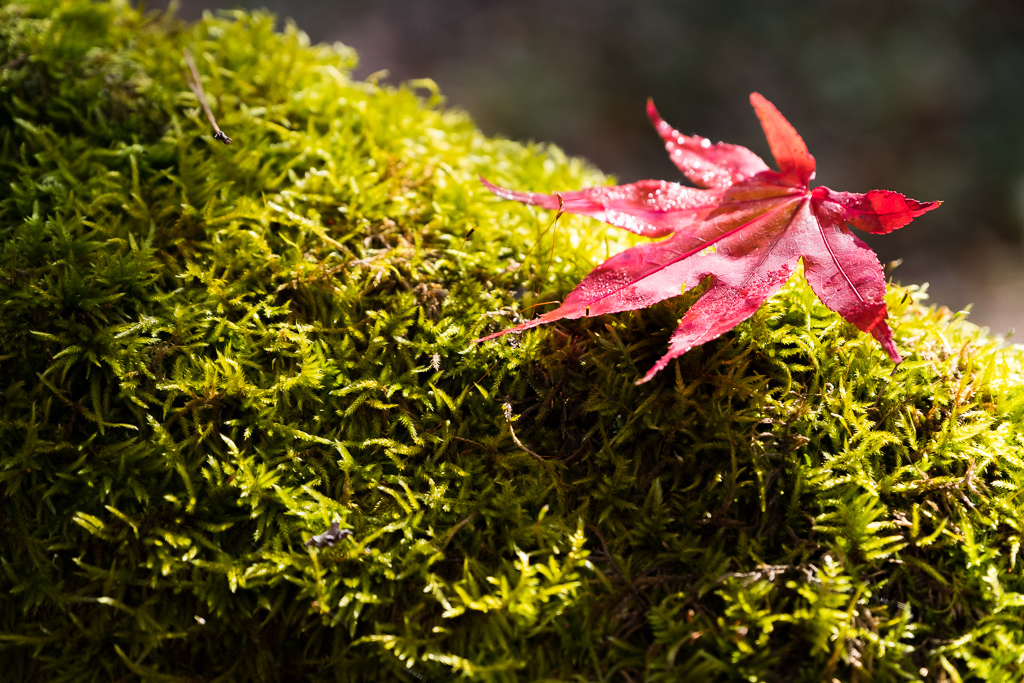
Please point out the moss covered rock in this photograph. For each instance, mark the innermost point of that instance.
(211, 354)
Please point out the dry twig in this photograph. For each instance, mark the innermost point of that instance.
(197, 88)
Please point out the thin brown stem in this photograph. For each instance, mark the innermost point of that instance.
(520, 443)
(551, 255)
(456, 528)
(197, 88)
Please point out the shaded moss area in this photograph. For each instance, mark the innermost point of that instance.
(209, 354)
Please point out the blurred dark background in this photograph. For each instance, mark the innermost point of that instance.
(922, 97)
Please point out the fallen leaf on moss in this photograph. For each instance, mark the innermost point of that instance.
(745, 231)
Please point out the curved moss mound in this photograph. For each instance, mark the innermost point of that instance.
(210, 354)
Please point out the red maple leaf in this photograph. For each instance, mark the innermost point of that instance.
(745, 232)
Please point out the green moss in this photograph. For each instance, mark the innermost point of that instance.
(210, 353)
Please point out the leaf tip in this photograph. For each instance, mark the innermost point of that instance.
(502, 192)
(652, 113)
(788, 148)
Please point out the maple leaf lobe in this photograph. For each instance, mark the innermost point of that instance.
(877, 211)
(787, 146)
(705, 164)
(743, 231)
